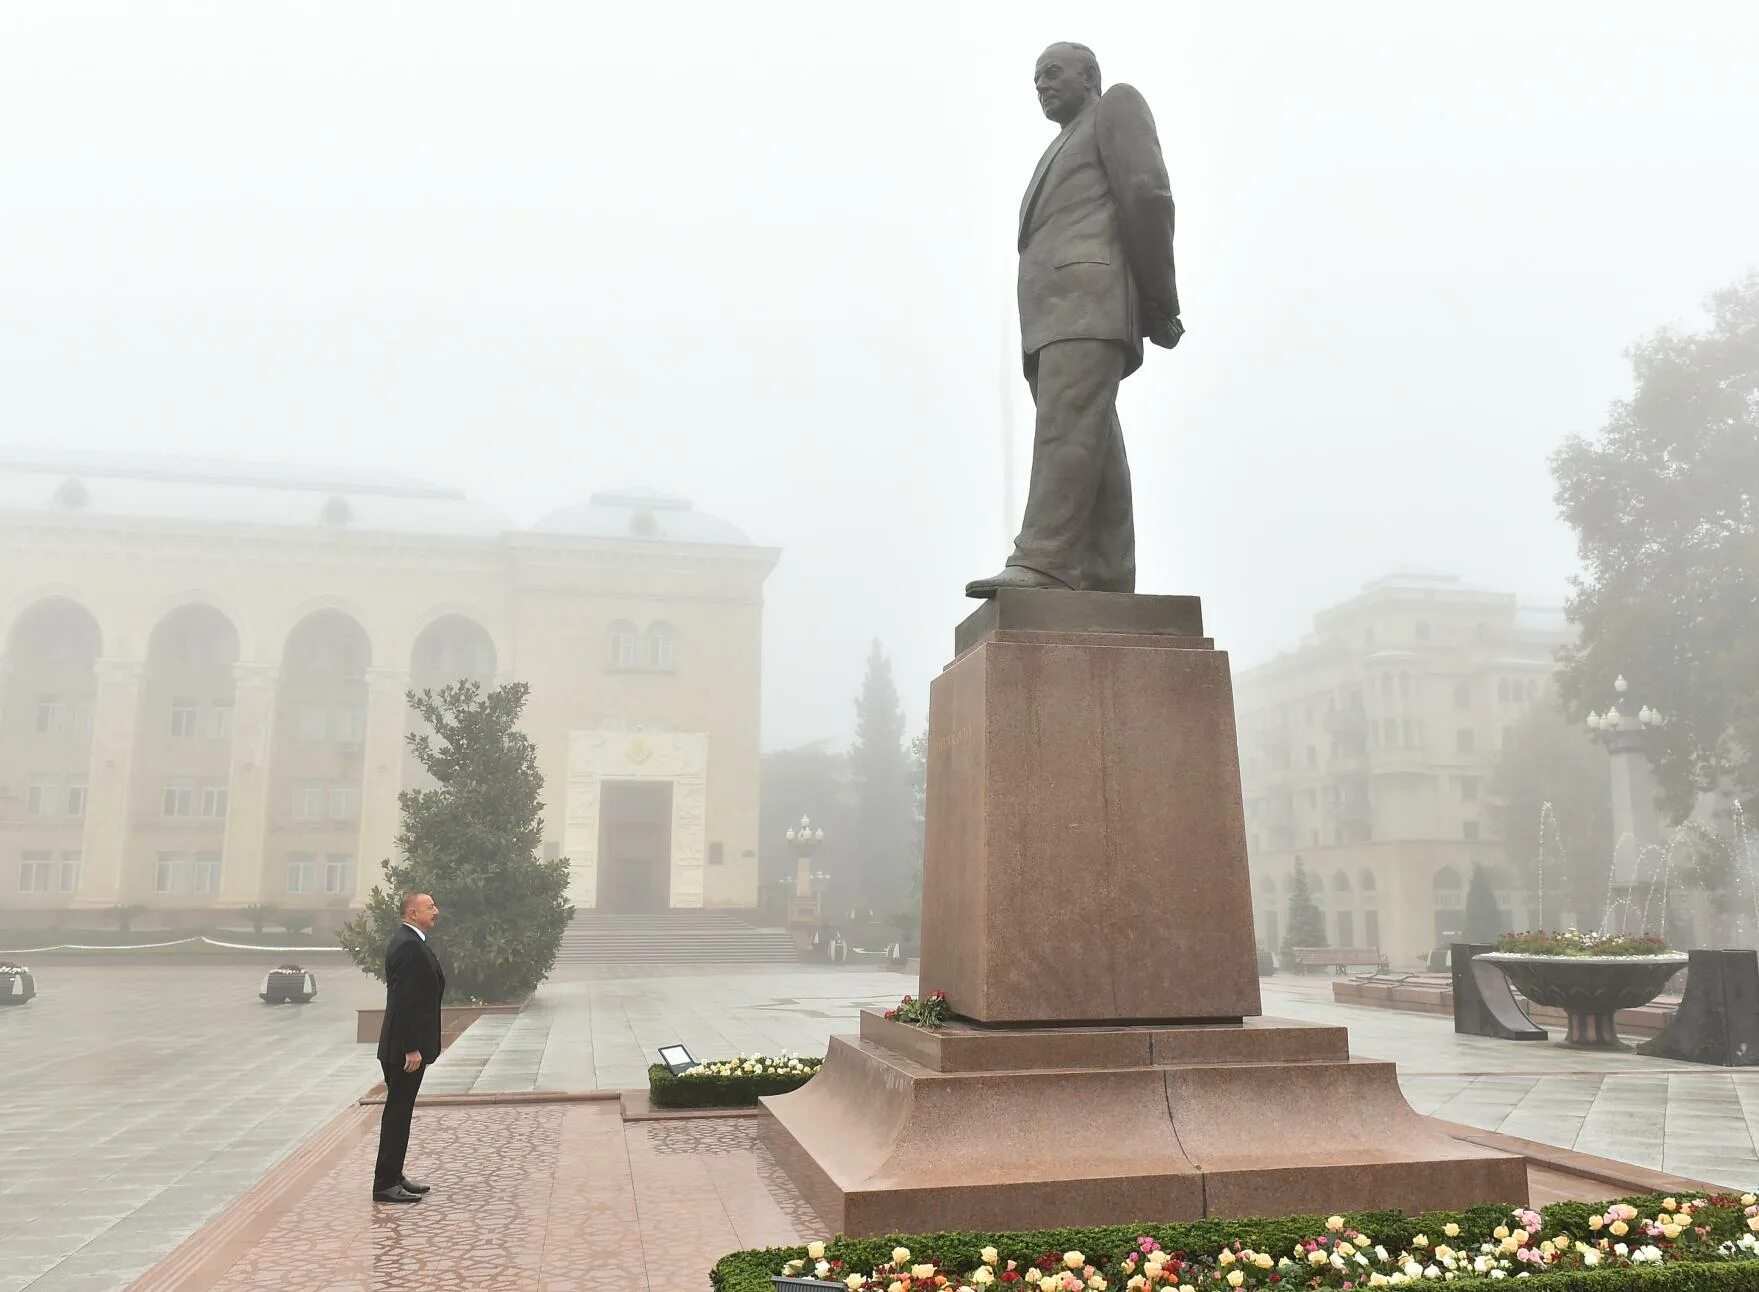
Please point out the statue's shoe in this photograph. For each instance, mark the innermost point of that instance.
(1014, 576)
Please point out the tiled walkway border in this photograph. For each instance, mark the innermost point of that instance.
(206, 1254)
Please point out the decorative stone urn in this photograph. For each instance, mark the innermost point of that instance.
(16, 984)
(1589, 989)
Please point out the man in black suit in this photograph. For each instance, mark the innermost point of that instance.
(409, 1040)
(1096, 280)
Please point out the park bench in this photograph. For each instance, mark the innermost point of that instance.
(1340, 958)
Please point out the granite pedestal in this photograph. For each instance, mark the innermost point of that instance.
(1086, 908)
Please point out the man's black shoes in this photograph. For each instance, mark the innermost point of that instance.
(412, 1186)
(396, 1193)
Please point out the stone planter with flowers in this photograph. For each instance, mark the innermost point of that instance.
(1589, 976)
(729, 1083)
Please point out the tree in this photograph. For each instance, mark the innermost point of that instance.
(880, 773)
(1665, 505)
(1551, 801)
(472, 842)
(1484, 921)
(1306, 922)
(909, 920)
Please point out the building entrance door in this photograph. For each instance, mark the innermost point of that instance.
(635, 846)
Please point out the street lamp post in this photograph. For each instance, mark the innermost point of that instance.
(803, 838)
(1635, 829)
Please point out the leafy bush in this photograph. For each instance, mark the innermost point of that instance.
(125, 913)
(260, 914)
(733, 1084)
(294, 921)
(1573, 942)
(1712, 1251)
(472, 843)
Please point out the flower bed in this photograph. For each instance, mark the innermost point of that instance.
(728, 1083)
(1573, 942)
(1702, 1244)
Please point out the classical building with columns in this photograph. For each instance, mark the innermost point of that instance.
(202, 691)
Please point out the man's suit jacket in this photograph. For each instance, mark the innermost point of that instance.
(1096, 232)
(414, 984)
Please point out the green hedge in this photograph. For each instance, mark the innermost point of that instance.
(750, 1271)
(665, 1090)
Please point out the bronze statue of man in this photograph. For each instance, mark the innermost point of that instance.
(1096, 278)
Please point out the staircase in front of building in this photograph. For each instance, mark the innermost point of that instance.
(672, 937)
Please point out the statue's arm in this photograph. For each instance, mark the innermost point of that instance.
(1129, 150)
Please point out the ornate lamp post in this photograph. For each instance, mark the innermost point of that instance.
(1627, 738)
(803, 838)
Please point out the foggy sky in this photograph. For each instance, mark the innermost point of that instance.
(762, 256)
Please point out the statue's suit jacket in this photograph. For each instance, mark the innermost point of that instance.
(1096, 232)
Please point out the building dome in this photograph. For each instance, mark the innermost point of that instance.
(642, 514)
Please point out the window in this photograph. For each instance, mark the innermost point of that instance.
(205, 872)
(338, 869)
(171, 874)
(348, 724)
(42, 796)
(220, 720)
(314, 722)
(622, 644)
(33, 872)
(185, 717)
(1463, 740)
(1312, 756)
(76, 797)
(662, 647)
(1468, 788)
(344, 802)
(51, 713)
(214, 797)
(1463, 695)
(177, 799)
(302, 872)
(1468, 829)
(1422, 630)
(67, 874)
(308, 800)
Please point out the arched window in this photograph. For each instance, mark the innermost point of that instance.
(624, 642)
(1340, 883)
(662, 646)
(1365, 881)
(1447, 883)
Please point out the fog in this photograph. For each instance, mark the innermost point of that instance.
(762, 257)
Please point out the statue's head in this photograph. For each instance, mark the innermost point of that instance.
(1067, 80)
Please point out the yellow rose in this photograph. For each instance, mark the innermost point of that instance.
(1668, 1204)
(1033, 1276)
(896, 1285)
(990, 1256)
(816, 1251)
(1317, 1257)
(1345, 1249)
(1451, 1229)
(1226, 1258)
(1501, 1231)
(1377, 1280)
(1074, 1260)
(1096, 1284)
(1263, 1261)
(1753, 1224)
(1335, 1224)
(1235, 1278)
(1422, 1240)
(1672, 1231)
(922, 1271)
(1620, 1229)
(900, 1255)
(1748, 1199)
(1595, 1222)
(854, 1282)
(983, 1277)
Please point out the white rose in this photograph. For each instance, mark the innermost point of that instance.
(990, 1255)
(816, 1250)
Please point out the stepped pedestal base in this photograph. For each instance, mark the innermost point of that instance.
(992, 1128)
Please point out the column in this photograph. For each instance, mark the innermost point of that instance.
(381, 776)
(243, 871)
(105, 861)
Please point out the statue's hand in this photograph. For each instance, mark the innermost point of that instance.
(1165, 332)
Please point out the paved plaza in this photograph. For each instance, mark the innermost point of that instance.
(138, 1104)
(137, 1101)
